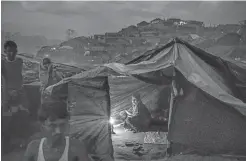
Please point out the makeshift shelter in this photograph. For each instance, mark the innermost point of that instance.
(229, 39)
(208, 111)
(232, 52)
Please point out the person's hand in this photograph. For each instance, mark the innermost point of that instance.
(128, 113)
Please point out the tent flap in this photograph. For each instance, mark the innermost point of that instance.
(89, 108)
(203, 122)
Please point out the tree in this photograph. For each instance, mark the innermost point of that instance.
(70, 34)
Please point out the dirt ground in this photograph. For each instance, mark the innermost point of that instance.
(124, 152)
(135, 141)
(121, 151)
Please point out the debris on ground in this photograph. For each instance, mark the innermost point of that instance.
(131, 144)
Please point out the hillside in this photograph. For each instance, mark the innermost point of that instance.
(89, 51)
(121, 46)
(28, 44)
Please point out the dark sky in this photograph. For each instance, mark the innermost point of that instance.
(51, 19)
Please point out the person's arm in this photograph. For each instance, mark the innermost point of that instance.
(39, 72)
(129, 114)
(120, 124)
(58, 75)
(29, 154)
(21, 66)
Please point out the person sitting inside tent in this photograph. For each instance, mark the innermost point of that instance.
(140, 118)
(47, 74)
(54, 118)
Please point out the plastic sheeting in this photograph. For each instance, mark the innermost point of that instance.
(229, 39)
(197, 66)
(155, 97)
(204, 123)
(89, 106)
(233, 52)
(214, 119)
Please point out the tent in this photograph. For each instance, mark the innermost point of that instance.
(232, 52)
(208, 112)
(229, 39)
(193, 37)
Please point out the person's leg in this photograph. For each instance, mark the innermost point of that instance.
(129, 122)
(6, 135)
(112, 129)
(169, 150)
(23, 100)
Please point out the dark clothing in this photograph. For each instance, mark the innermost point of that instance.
(13, 73)
(141, 117)
(15, 97)
(48, 76)
(141, 121)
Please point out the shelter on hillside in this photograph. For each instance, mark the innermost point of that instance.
(230, 39)
(207, 114)
(229, 46)
(232, 52)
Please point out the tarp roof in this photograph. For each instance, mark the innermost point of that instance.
(229, 39)
(202, 69)
(238, 51)
(210, 115)
(194, 36)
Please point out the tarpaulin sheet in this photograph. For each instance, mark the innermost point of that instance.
(122, 88)
(206, 78)
(195, 69)
(238, 51)
(203, 43)
(161, 61)
(89, 106)
(216, 113)
(229, 39)
(204, 123)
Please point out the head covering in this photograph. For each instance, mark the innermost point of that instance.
(123, 114)
(137, 96)
(46, 60)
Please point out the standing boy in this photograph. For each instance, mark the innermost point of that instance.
(13, 68)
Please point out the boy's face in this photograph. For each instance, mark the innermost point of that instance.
(123, 115)
(46, 64)
(56, 129)
(11, 52)
(134, 101)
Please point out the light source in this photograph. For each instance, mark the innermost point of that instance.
(111, 120)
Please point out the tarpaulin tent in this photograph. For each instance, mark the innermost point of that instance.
(229, 39)
(233, 52)
(208, 112)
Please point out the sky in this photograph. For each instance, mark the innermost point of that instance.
(52, 19)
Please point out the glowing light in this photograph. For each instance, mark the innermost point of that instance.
(111, 120)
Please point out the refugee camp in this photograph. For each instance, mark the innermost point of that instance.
(167, 84)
